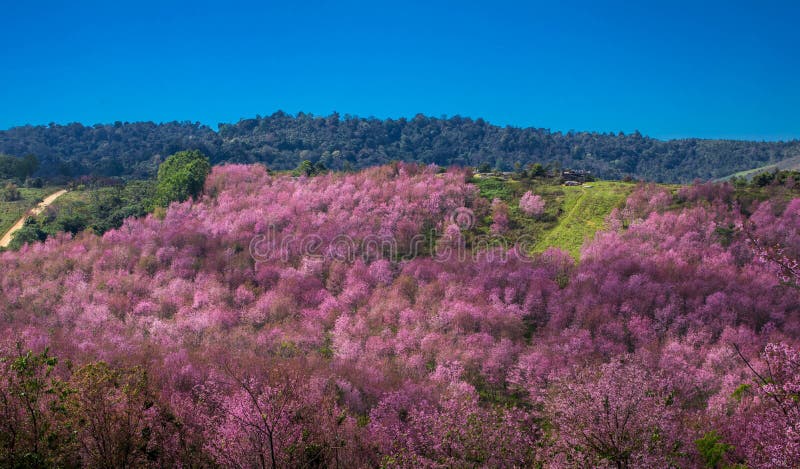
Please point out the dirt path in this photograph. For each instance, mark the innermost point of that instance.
(32, 212)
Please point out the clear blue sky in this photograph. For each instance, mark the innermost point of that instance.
(669, 69)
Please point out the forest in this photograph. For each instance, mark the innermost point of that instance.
(282, 141)
(373, 319)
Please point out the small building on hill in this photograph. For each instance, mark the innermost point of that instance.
(579, 175)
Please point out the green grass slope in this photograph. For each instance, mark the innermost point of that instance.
(572, 214)
(584, 213)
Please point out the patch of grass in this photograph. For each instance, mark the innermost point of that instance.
(494, 187)
(510, 191)
(572, 214)
(584, 213)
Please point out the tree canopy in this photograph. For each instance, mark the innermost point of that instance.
(282, 142)
(181, 176)
(17, 168)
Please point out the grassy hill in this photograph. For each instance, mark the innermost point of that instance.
(584, 213)
(572, 214)
(98, 208)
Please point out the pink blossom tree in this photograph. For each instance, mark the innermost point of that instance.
(531, 204)
(764, 429)
(617, 415)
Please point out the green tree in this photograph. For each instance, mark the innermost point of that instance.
(305, 168)
(536, 170)
(33, 430)
(31, 232)
(181, 176)
(10, 193)
(712, 450)
(28, 166)
(763, 179)
(18, 168)
(114, 416)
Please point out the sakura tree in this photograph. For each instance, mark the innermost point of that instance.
(531, 204)
(618, 415)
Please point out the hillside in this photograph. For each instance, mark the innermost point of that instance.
(788, 164)
(281, 141)
(6, 238)
(11, 211)
(584, 213)
(299, 320)
(572, 214)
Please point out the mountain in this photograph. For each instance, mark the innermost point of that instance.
(281, 141)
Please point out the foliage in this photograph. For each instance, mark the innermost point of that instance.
(180, 177)
(115, 418)
(17, 168)
(307, 168)
(10, 193)
(31, 232)
(11, 212)
(282, 141)
(96, 416)
(96, 208)
(775, 177)
(712, 450)
(33, 430)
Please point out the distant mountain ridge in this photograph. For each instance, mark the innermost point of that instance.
(281, 141)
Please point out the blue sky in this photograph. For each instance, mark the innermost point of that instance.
(669, 69)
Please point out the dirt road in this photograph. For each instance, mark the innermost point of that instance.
(32, 212)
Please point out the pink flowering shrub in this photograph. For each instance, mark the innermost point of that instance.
(458, 431)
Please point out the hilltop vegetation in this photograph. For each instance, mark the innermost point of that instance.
(282, 321)
(282, 141)
(789, 164)
(17, 168)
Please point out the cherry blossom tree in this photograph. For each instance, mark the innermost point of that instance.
(619, 415)
(531, 205)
